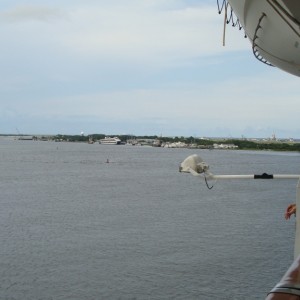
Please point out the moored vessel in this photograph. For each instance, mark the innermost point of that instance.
(110, 141)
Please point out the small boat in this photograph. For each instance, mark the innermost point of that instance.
(110, 141)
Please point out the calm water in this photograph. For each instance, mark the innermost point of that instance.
(75, 227)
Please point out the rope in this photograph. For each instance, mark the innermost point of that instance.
(229, 17)
(255, 47)
(223, 4)
(224, 28)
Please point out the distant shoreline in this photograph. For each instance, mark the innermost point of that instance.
(174, 142)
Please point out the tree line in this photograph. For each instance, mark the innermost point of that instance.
(242, 144)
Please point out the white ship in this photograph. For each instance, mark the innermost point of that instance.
(110, 141)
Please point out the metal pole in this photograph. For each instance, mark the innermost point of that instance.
(297, 235)
(263, 176)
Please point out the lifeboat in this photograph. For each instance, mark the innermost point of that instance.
(273, 28)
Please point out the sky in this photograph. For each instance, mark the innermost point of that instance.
(151, 67)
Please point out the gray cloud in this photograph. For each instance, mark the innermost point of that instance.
(31, 13)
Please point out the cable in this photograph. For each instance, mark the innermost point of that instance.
(209, 187)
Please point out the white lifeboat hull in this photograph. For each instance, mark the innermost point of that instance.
(277, 35)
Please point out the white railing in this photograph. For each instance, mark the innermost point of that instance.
(197, 167)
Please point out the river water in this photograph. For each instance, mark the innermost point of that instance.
(75, 227)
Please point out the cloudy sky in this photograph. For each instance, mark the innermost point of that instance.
(151, 67)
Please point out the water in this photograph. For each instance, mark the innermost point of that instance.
(75, 227)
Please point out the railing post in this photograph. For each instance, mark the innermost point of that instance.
(297, 235)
